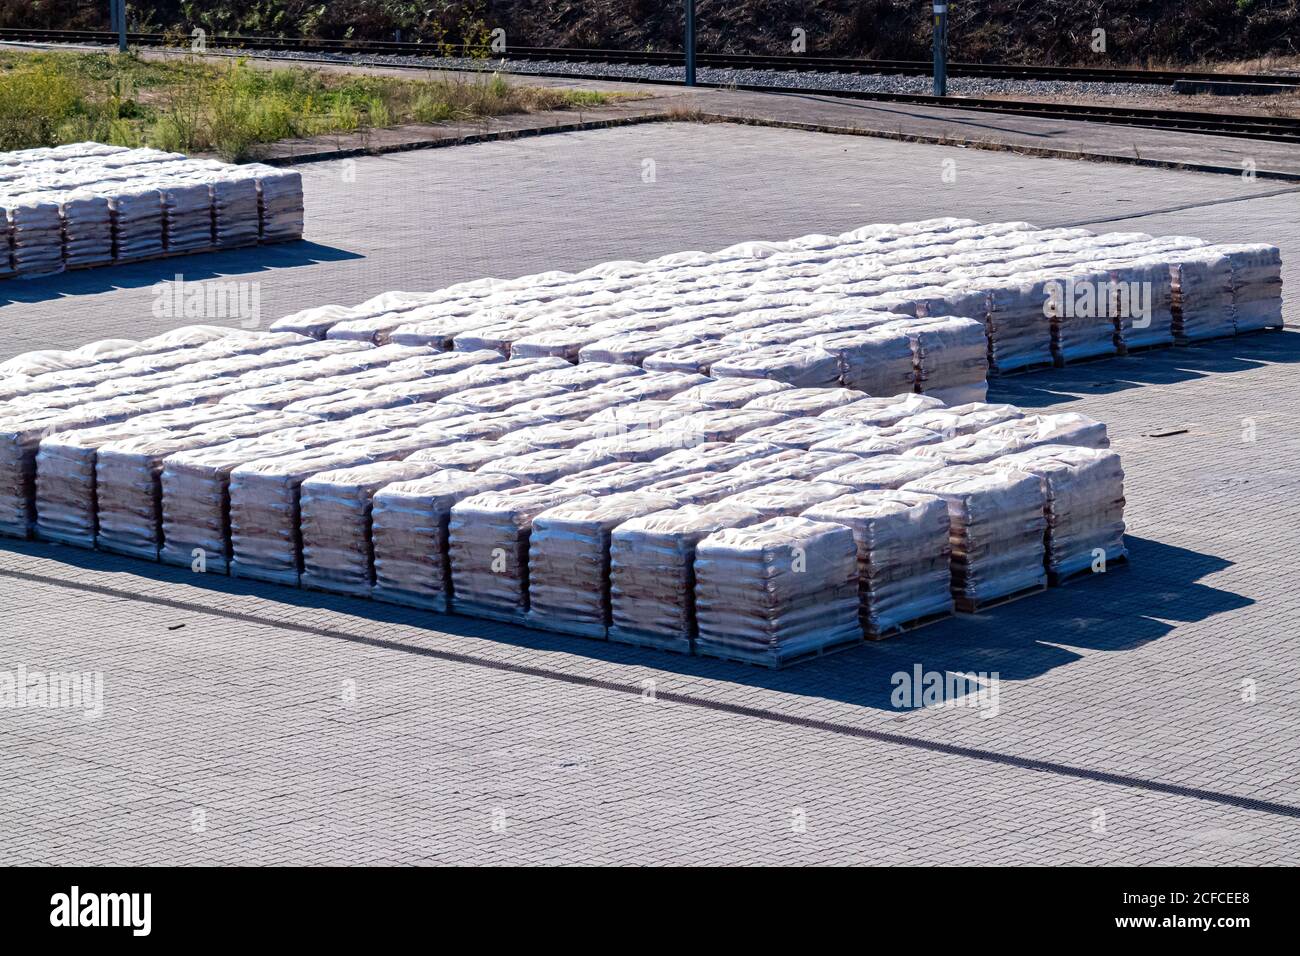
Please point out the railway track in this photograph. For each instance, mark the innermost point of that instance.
(737, 61)
(1275, 129)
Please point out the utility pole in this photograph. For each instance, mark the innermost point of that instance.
(690, 42)
(117, 21)
(940, 47)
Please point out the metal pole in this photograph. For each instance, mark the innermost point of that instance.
(121, 26)
(690, 42)
(940, 48)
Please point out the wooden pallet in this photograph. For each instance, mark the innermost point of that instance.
(770, 660)
(912, 625)
(967, 606)
(1057, 580)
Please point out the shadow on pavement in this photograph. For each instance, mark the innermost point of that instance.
(1121, 610)
(195, 268)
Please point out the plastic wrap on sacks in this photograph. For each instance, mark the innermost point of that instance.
(776, 591)
(880, 472)
(1201, 295)
(903, 554)
(883, 412)
(315, 321)
(409, 533)
(789, 496)
(996, 527)
(569, 560)
(965, 419)
(865, 440)
(720, 424)
(561, 434)
(1256, 285)
(584, 376)
(196, 483)
(87, 229)
(544, 467)
(652, 573)
(334, 521)
(777, 333)
(652, 385)
(964, 450)
(471, 455)
(799, 432)
(265, 499)
(1084, 488)
(949, 352)
(695, 357)
(489, 535)
(128, 490)
(791, 463)
(639, 416)
(1065, 428)
(1139, 295)
(877, 362)
(493, 398)
(570, 405)
(805, 401)
(36, 229)
(65, 469)
(800, 365)
(731, 392)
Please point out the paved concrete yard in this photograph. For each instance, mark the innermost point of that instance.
(1146, 716)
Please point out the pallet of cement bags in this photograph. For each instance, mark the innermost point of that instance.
(652, 573)
(903, 554)
(1084, 489)
(410, 535)
(996, 527)
(489, 538)
(569, 560)
(775, 592)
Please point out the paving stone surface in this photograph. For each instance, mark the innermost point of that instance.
(1143, 716)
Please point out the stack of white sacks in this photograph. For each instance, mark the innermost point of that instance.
(835, 310)
(86, 204)
(741, 518)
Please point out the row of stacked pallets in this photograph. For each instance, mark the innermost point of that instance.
(741, 518)
(931, 306)
(87, 204)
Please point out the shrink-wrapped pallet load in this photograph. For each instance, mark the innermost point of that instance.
(877, 361)
(800, 365)
(87, 230)
(1084, 490)
(1256, 286)
(137, 221)
(409, 532)
(786, 496)
(1019, 335)
(65, 468)
(652, 573)
(903, 551)
(695, 357)
(950, 354)
(1082, 308)
(805, 401)
(883, 412)
(471, 455)
(880, 472)
(545, 466)
(721, 424)
(1064, 428)
(776, 591)
(800, 433)
(1201, 295)
(864, 441)
(569, 560)
(335, 523)
(187, 215)
(1140, 297)
(128, 490)
(36, 228)
(489, 536)
(996, 526)
(281, 203)
(731, 392)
